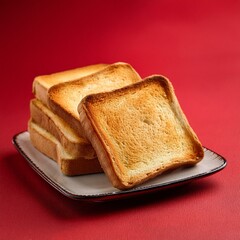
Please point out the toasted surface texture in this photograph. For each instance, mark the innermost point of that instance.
(41, 84)
(61, 130)
(52, 148)
(139, 131)
(112, 77)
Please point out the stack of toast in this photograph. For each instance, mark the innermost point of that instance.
(106, 118)
(54, 124)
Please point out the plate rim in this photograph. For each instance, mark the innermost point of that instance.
(117, 194)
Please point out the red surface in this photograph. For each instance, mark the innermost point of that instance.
(194, 43)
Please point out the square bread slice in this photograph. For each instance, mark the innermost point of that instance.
(139, 131)
(41, 84)
(63, 98)
(69, 165)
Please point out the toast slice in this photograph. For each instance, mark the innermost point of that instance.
(139, 131)
(51, 147)
(41, 84)
(65, 97)
(51, 122)
(61, 130)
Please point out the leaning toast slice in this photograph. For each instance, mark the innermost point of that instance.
(69, 165)
(42, 83)
(139, 131)
(63, 98)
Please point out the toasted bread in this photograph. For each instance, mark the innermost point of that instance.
(61, 130)
(41, 84)
(51, 147)
(64, 98)
(139, 131)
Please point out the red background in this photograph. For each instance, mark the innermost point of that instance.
(196, 44)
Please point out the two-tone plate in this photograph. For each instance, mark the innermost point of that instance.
(96, 187)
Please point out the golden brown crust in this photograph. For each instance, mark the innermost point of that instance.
(60, 129)
(41, 84)
(42, 144)
(114, 76)
(80, 166)
(136, 131)
(98, 145)
(49, 146)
